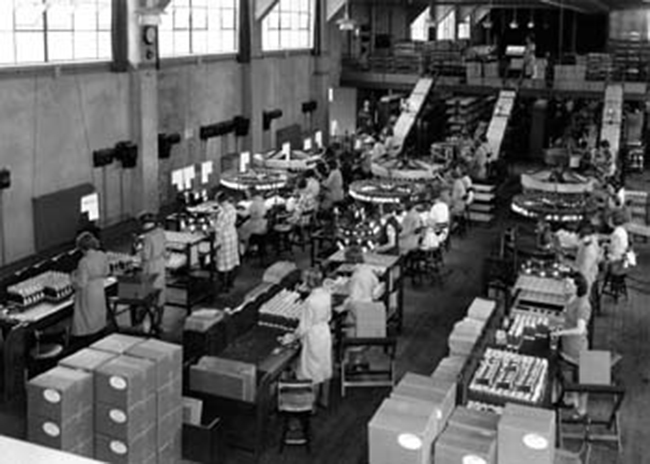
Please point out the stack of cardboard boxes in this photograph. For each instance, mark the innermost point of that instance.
(168, 360)
(60, 410)
(118, 401)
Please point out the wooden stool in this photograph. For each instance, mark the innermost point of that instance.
(296, 402)
(282, 233)
(259, 241)
(615, 285)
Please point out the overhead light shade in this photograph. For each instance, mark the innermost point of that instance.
(531, 24)
(514, 24)
(487, 24)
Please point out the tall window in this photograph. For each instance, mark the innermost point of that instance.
(37, 32)
(199, 27)
(289, 25)
(420, 27)
(447, 27)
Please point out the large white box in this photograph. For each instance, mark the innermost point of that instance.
(526, 435)
(400, 432)
(458, 445)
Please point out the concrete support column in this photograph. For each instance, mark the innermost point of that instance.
(144, 126)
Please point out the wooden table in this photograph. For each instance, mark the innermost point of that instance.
(17, 326)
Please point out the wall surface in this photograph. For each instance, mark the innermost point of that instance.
(49, 127)
(191, 96)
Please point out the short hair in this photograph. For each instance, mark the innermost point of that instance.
(309, 173)
(582, 287)
(302, 183)
(619, 217)
(332, 164)
(87, 241)
(585, 229)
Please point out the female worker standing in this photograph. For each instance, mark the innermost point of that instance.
(226, 242)
(154, 254)
(314, 332)
(89, 317)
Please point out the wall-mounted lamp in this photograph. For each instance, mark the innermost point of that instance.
(242, 126)
(309, 106)
(127, 154)
(268, 117)
(165, 144)
(103, 157)
(5, 178)
(216, 130)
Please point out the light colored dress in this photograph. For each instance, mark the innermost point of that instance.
(154, 258)
(226, 241)
(314, 331)
(573, 345)
(257, 222)
(333, 187)
(410, 235)
(90, 298)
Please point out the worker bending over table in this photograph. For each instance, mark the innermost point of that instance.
(89, 316)
(314, 333)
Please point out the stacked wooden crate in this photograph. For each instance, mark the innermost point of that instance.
(444, 58)
(569, 77)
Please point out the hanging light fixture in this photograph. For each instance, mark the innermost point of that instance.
(346, 23)
(487, 24)
(514, 24)
(430, 21)
(531, 22)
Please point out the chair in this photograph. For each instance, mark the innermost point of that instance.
(426, 263)
(296, 400)
(602, 421)
(380, 371)
(260, 242)
(44, 354)
(615, 284)
(283, 232)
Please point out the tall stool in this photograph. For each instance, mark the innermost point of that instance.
(615, 284)
(296, 403)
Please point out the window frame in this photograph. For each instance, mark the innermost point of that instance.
(200, 56)
(277, 10)
(44, 33)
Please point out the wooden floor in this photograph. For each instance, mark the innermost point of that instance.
(430, 312)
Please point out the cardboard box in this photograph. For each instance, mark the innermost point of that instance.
(125, 423)
(86, 359)
(171, 452)
(440, 394)
(86, 448)
(167, 357)
(169, 427)
(481, 309)
(169, 397)
(124, 381)
(482, 421)
(59, 394)
(135, 451)
(449, 368)
(526, 435)
(456, 444)
(400, 432)
(62, 435)
(370, 320)
(224, 377)
(117, 343)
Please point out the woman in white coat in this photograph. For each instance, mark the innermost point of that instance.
(154, 254)
(314, 333)
(89, 317)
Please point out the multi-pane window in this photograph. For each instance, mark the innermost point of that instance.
(420, 27)
(39, 31)
(289, 25)
(199, 27)
(447, 27)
